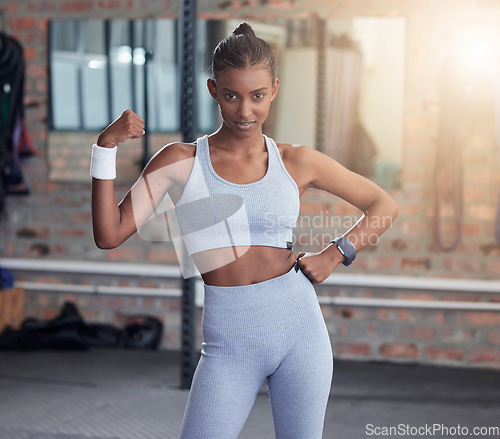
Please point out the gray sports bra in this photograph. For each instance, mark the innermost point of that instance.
(214, 213)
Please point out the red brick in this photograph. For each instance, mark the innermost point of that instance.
(494, 336)
(174, 304)
(352, 348)
(414, 227)
(474, 194)
(484, 212)
(385, 261)
(73, 233)
(43, 24)
(110, 5)
(405, 315)
(34, 38)
(77, 7)
(416, 263)
(464, 264)
(418, 333)
(409, 210)
(10, 248)
(399, 244)
(164, 6)
(163, 255)
(46, 279)
(16, 23)
(41, 85)
(357, 313)
(10, 8)
(444, 353)
(371, 329)
(469, 229)
(384, 314)
(483, 318)
(110, 301)
(36, 70)
(50, 186)
(30, 53)
(40, 6)
(399, 350)
(494, 267)
(474, 335)
(327, 311)
(485, 355)
(125, 254)
(173, 339)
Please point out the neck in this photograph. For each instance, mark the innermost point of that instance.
(225, 139)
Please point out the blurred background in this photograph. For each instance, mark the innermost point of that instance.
(406, 93)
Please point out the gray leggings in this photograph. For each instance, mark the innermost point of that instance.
(272, 329)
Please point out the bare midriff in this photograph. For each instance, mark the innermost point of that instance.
(244, 265)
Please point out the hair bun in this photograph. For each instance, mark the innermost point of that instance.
(244, 29)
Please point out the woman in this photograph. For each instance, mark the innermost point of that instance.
(237, 199)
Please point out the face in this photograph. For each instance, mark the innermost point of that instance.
(244, 97)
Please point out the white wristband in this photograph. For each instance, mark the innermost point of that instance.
(103, 162)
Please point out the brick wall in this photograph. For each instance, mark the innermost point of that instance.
(54, 221)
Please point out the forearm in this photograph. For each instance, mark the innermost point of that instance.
(377, 218)
(105, 214)
(375, 221)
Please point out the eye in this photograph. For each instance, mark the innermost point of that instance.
(259, 95)
(230, 96)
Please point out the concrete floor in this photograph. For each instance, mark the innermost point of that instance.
(122, 394)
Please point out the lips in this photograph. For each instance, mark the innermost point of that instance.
(244, 125)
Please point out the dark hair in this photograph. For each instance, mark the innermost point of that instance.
(241, 49)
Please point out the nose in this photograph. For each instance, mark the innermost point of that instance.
(244, 109)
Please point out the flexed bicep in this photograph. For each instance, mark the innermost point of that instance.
(149, 204)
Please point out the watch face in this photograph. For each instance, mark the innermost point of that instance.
(347, 248)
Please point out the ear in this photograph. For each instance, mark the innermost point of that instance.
(212, 88)
(275, 88)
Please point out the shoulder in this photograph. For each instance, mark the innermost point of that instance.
(316, 168)
(176, 151)
(302, 155)
(170, 154)
(302, 162)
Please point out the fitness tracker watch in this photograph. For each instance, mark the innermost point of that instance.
(347, 248)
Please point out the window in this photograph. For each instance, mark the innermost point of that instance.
(99, 68)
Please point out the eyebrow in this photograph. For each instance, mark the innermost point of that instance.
(253, 91)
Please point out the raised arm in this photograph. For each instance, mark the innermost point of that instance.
(113, 222)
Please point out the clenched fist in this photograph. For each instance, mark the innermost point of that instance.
(128, 126)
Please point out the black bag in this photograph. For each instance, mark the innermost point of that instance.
(143, 332)
(68, 331)
(62, 332)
